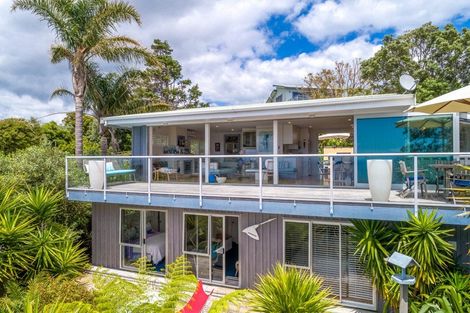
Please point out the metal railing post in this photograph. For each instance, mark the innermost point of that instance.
(332, 179)
(149, 179)
(200, 182)
(67, 177)
(416, 186)
(260, 181)
(104, 179)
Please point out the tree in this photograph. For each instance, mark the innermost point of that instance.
(58, 136)
(106, 95)
(438, 58)
(17, 134)
(344, 80)
(85, 31)
(161, 86)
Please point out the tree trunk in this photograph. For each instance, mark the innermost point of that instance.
(114, 142)
(103, 139)
(79, 86)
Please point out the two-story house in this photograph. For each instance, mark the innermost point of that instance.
(238, 188)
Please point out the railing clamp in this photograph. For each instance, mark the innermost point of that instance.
(295, 204)
(372, 207)
(174, 197)
(229, 201)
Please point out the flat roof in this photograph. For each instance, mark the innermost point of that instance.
(371, 104)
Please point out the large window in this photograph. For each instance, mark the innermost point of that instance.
(327, 250)
(401, 134)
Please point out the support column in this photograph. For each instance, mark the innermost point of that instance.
(207, 149)
(275, 152)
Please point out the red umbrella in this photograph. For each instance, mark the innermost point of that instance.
(197, 301)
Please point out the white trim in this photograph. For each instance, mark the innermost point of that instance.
(456, 132)
(377, 104)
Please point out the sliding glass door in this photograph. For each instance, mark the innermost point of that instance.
(211, 245)
(143, 233)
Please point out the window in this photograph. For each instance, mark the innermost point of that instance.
(196, 233)
(327, 250)
(296, 243)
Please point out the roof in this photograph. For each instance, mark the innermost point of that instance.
(371, 104)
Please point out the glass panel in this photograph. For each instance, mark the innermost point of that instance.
(232, 264)
(325, 254)
(196, 233)
(130, 227)
(355, 284)
(217, 248)
(404, 134)
(200, 265)
(155, 243)
(465, 135)
(296, 244)
(130, 255)
(265, 141)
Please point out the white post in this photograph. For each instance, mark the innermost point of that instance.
(207, 149)
(104, 179)
(200, 182)
(275, 152)
(260, 181)
(332, 178)
(67, 177)
(149, 179)
(415, 177)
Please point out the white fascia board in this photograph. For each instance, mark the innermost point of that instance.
(268, 111)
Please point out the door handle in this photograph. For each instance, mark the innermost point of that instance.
(220, 250)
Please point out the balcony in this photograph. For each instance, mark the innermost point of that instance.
(302, 184)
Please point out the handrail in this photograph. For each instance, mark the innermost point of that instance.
(260, 172)
(192, 156)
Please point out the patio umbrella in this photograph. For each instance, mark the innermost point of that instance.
(334, 136)
(423, 122)
(454, 101)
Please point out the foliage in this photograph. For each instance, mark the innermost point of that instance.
(85, 30)
(161, 86)
(17, 134)
(30, 241)
(290, 290)
(423, 237)
(227, 302)
(435, 57)
(344, 80)
(58, 136)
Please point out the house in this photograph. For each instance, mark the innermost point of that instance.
(282, 93)
(238, 188)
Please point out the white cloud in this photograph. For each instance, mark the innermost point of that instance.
(333, 19)
(26, 106)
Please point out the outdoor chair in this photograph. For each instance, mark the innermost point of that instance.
(165, 171)
(459, 184)
(408, 176)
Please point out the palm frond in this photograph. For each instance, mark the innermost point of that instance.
(61, 92)
(60, 53)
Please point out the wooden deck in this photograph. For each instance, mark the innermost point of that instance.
(299, 193)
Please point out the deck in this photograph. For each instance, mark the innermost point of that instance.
(298, 193)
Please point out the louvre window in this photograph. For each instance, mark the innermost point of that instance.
(296, 244)
(327, 250)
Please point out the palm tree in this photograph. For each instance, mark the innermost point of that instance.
(106, 95)
(85, 31)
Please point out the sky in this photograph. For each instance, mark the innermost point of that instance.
(235, 50)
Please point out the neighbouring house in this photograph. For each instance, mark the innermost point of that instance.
(238, 188)
(282, 93)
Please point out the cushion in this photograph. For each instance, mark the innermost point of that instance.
(109, 166)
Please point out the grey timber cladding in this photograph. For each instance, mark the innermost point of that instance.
(105, 235)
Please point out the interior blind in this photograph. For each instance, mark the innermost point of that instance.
(296, 244)
(325, 254)
(355, 285)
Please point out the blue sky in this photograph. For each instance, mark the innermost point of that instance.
(234, 49)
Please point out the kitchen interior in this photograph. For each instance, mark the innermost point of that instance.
(296, 136)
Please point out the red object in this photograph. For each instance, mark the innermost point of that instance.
(197, 301)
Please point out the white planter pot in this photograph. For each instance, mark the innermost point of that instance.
(95, 169)
(379, 173)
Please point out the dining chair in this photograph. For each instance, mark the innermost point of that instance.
(408, 176)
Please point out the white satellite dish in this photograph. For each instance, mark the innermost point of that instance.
(251, 230)
(407, 82)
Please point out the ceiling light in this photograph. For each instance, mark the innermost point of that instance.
(289, 122)
(309, 126)
(233, 129)
(216, 126)
(349, 120)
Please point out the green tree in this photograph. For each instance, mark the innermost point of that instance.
(17, 134)
(85, 30)
(438, 58)
(161, 86)
(58, 136)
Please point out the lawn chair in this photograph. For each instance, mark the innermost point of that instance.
(409, 181)
(460, 185)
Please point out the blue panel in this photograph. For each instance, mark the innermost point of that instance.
(140, 147)
(402, 134)
(312, 209)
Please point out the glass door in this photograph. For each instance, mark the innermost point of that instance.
(131, 237)
(211, 246)
(154, 239)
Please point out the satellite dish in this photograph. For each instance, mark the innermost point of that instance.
(407, 82)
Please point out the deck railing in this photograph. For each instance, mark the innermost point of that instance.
(338, 178)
